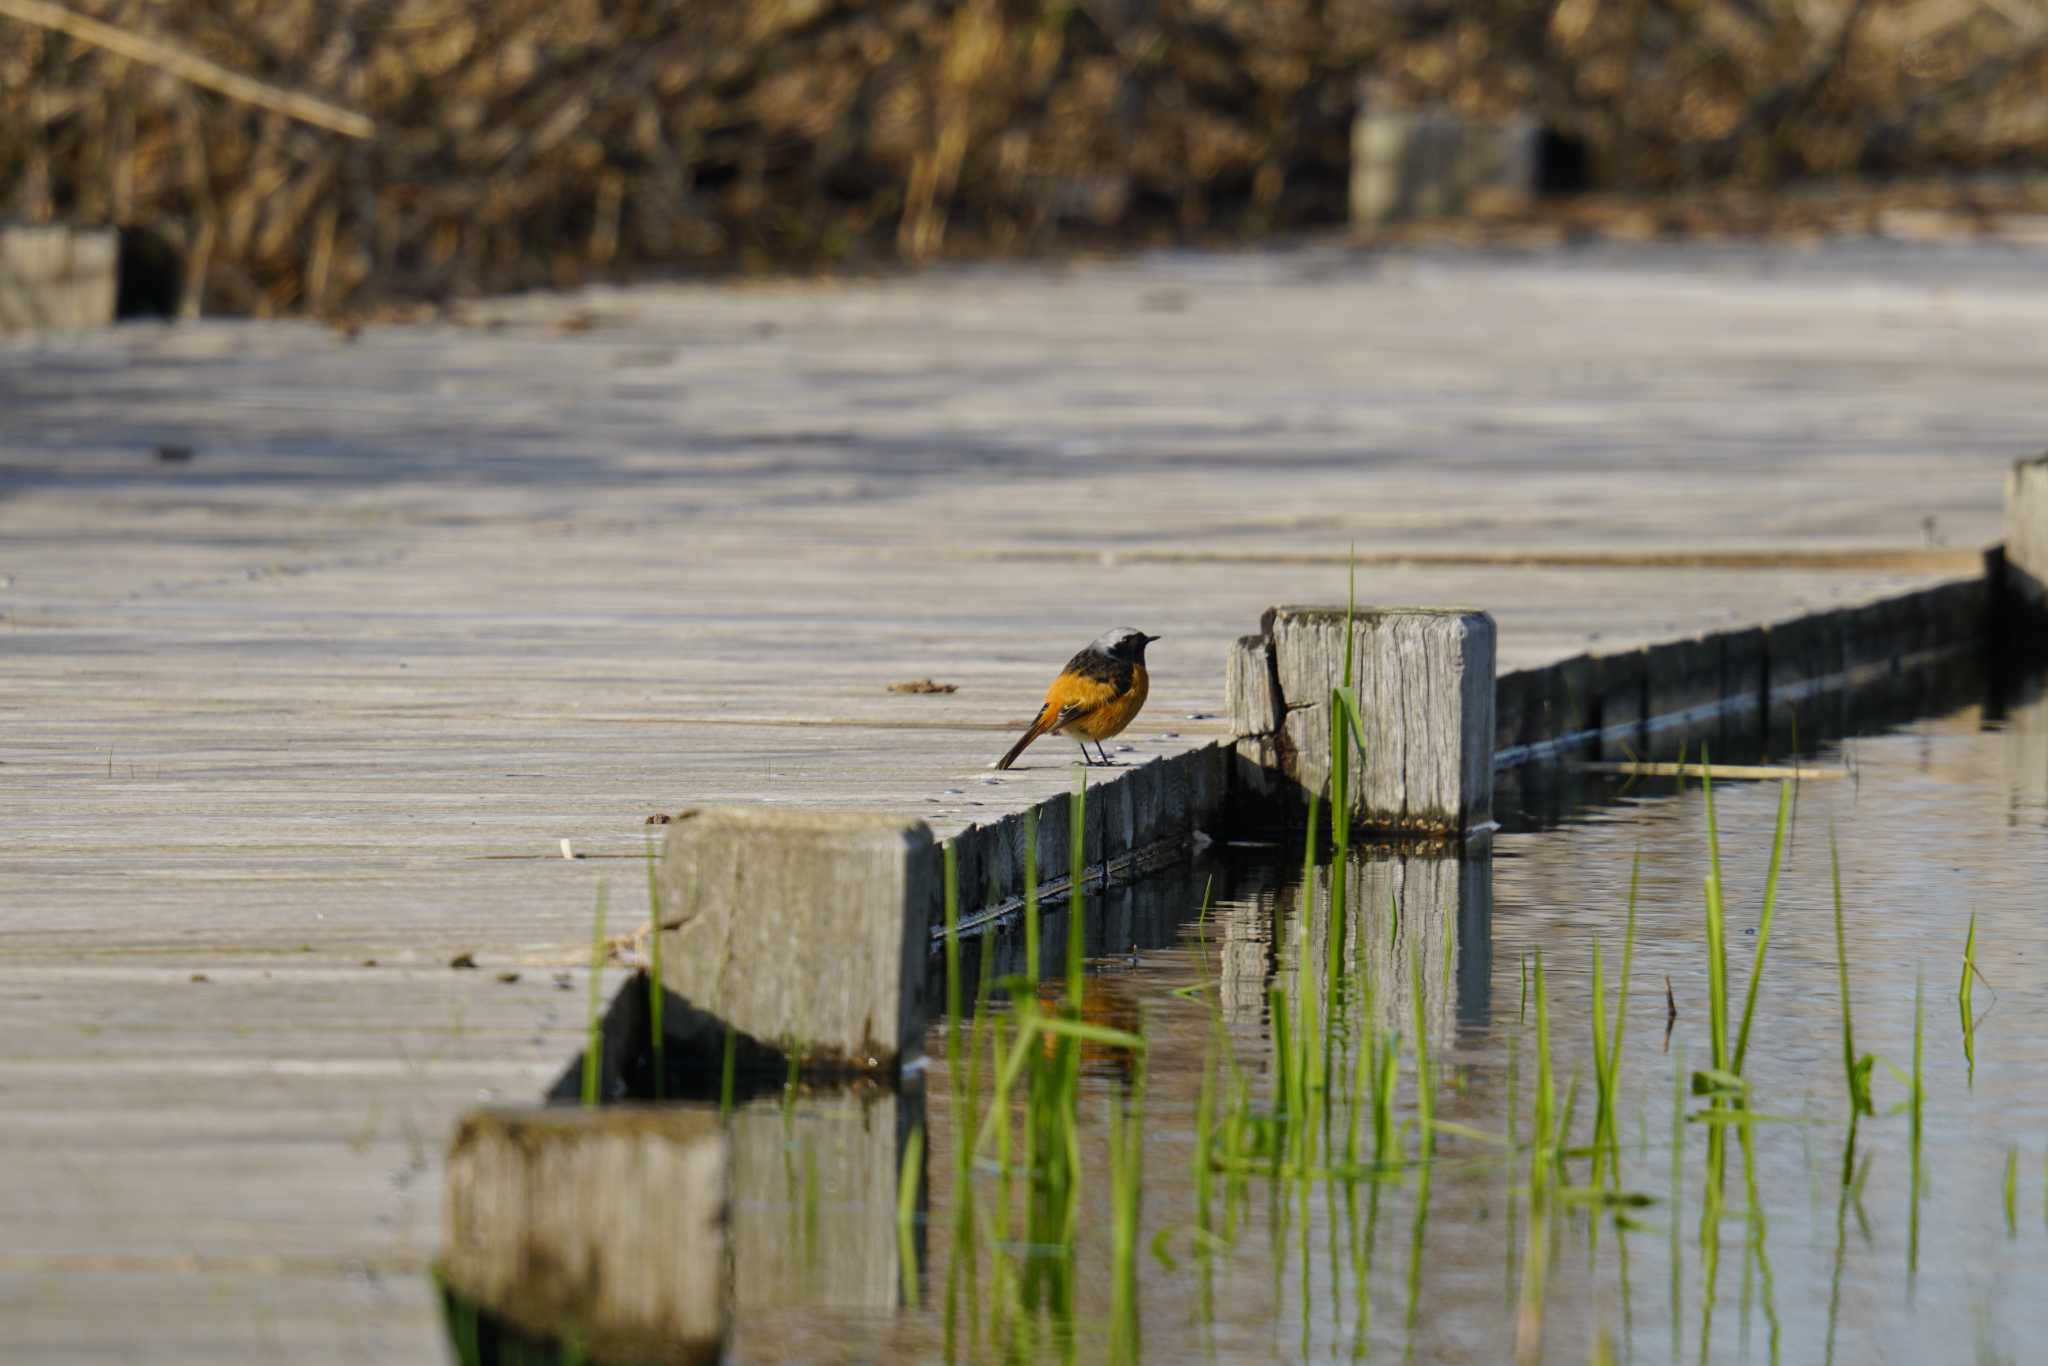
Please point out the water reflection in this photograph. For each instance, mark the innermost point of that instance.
(1324, 1229)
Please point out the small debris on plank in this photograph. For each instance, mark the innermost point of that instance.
(923, 685)
(463, 960)
(659, 818)
(508, 977)
(174, 453)
(567, 852)
(369, 962)
(201, 977)
(564, 981)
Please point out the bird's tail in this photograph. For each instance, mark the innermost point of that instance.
(1044, 723)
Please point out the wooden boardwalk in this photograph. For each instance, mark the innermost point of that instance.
(290, 724)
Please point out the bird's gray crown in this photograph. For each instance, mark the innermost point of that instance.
(1125, 642)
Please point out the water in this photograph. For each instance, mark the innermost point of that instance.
(1935, 820)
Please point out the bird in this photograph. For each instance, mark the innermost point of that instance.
(1095, 696)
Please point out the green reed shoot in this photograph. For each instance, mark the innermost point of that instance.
(725, 1072)
(657, 1036)
(1763, 929)
(2012, 1191)
(1856, 1070)
(1543, 1134)
(1918, 1103)
(1963, 994)
(911, 1172)
(1717, 944)
(593, 1048)
(1425, 1089)
(1610, 1091)
(1126, 1174)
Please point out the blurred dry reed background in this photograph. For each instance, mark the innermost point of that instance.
(517, 143)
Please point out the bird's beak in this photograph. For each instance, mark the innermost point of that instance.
(1150, 639)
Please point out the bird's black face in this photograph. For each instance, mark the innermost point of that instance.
(1125, 643)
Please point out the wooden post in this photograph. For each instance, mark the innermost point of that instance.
(605, 1227)
(56, 278)
(2026, 531)
(807, 930)
(1425, 680)
(1431, 163)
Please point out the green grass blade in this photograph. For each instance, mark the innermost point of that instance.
(1763, 928)
(906, 1213)
(1919, 1105)
(1855, 1072)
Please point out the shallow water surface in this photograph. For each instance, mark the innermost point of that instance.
(1935, 821)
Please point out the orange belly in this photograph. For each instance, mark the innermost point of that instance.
(1110, 716)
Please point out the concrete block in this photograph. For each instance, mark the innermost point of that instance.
(2026, 530)
(1427, 164)
(56, 277)
(1250, 693)
(804, 929)
(1425, 681)
(603, 1225)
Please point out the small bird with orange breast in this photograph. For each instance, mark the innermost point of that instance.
(1095, 696)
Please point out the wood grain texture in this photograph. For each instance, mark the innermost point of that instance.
(427, 601)
(1250, 696)
(1425, 692)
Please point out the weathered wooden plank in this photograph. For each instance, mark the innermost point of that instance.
(429, 600)
(1250, 694)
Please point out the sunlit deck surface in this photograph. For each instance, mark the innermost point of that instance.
(287, 726)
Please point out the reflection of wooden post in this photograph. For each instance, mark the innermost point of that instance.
(605, 1227)
(1407, 912)
(2024, 738)
(814, 1199)
(2026, 531)
(804, 929)
(1242, 930)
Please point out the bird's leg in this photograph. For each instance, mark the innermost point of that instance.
(1107, 762)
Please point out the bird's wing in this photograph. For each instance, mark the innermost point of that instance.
(1074, 695)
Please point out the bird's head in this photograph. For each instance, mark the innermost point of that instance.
(1124, 642)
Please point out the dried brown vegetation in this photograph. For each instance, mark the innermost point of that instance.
(541, 142)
